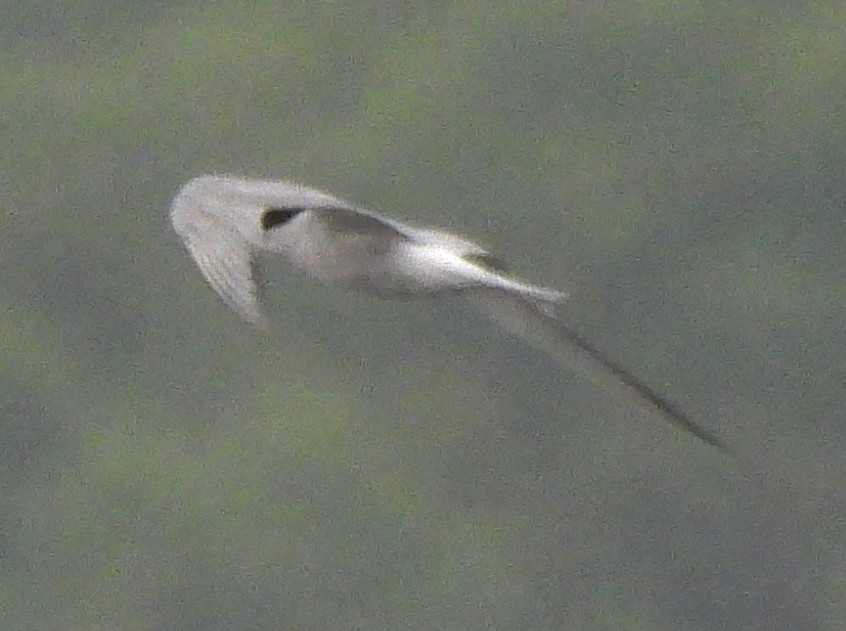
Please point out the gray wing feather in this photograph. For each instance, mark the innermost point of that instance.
(226, 261)
(227, 191)
(220, 231)
(353, 221)
(533, 321)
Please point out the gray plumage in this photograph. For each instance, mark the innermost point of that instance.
(225, 221)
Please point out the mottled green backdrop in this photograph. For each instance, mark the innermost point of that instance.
(678, 166)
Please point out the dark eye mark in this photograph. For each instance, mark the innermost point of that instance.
(273, 217)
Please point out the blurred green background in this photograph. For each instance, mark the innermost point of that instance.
(678, 166)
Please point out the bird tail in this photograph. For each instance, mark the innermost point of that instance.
(531, 316)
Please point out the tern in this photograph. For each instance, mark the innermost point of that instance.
(226, 221)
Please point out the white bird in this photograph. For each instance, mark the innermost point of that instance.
(225, 221)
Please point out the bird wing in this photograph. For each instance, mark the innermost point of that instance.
(353, 221)
(228, 264)
(532, 320)
(223, 253)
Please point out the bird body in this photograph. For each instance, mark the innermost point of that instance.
(225, 221)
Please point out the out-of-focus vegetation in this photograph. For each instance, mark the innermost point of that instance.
(678, 166)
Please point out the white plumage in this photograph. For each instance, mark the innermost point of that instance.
(225, 221)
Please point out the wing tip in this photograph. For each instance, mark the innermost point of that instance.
(257, 320)
(715, 441)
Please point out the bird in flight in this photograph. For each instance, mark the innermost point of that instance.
(226, 221)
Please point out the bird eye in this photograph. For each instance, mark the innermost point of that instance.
(273, 217)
